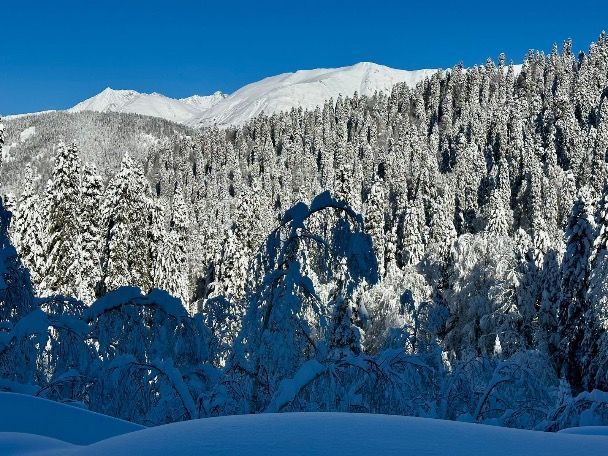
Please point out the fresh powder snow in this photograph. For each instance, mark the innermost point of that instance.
(153, 104)
(26, 414)
(35, 426)
(305, 88)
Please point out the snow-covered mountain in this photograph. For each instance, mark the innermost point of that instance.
(204, 102)
(153, 104)
(305, 88)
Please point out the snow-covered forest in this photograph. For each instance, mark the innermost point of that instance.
(437, 251)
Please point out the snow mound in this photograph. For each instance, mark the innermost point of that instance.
(15, 443)
(24, 414)
(305, 88)
(587, 430)
(331, 434)
(152, 104)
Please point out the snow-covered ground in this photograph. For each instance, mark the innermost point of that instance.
(20, 413)
(271, 434)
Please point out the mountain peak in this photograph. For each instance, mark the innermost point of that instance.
(307, 89)
(149, 104)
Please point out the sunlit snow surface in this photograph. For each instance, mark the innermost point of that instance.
(329, 434)
(152, 104)
(307, 89)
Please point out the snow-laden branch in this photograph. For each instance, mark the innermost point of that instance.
(289, 388)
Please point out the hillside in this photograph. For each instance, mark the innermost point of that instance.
(103, 139)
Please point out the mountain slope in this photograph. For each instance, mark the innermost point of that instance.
(153, 104)
(305, 88)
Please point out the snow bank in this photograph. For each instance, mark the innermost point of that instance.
(33, 415)
(15, 443)
(587, 430)
(333, 434)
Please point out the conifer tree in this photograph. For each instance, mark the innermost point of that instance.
(91, 200)
(128, 215)
(413, 233)
(346, 335)
(595, 342)
(63, 268)
(573, 303)
(27, 229)
(375, 222)
(171, 258)
(499, 214)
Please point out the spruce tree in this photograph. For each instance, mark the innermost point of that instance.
(573, 304)
(28, 229)
(595, 342)
(128, 215)
(63, 266)
(375, 222)
(91, 199)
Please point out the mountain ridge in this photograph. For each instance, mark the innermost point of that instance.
(273, 94)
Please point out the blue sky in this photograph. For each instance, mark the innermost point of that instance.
(56, 53)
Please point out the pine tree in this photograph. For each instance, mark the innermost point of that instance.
(346, 335)
(412, 233)
(595, 340)
(63, 268)
(27, 230)
(375, 222)
(499, 214)
(343, 175)
(91, 199)
(128, 215)
(573, 303)
(175, 250)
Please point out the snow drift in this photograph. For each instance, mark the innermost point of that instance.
(20, 413)
(31, 425)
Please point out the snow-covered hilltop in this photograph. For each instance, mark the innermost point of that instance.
(153, 104)
(305, 88)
